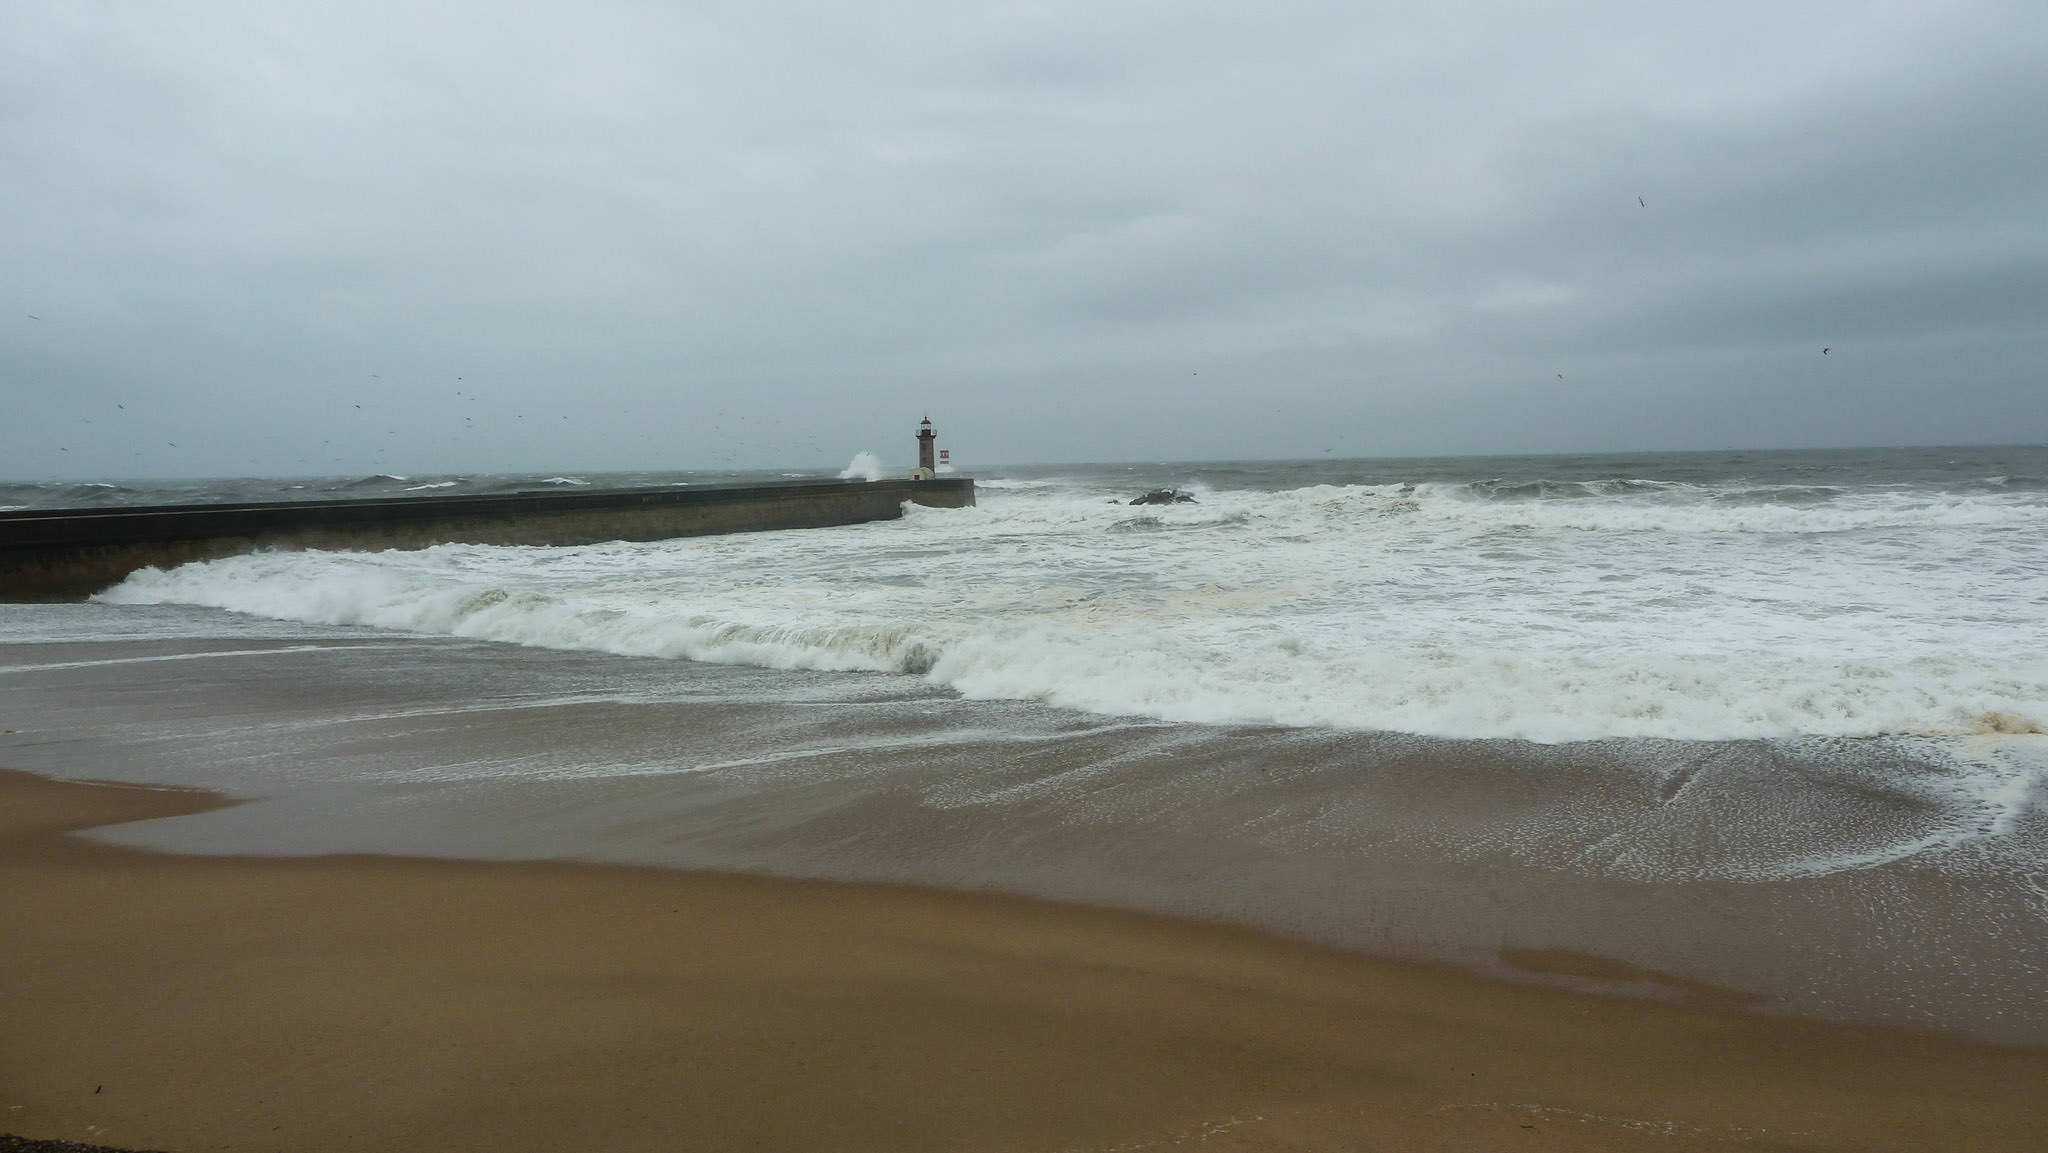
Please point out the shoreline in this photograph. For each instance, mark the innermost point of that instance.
(1691, 860)
(184, 1002)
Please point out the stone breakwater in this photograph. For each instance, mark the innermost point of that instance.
(68, 554)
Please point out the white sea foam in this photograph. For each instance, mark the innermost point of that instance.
(1975, 793)
(1665, 611)
(433, 484)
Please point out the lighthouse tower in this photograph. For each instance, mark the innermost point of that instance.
(927, 462)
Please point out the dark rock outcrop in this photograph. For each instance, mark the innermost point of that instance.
(1164, 496)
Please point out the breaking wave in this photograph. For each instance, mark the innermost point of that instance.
(1426, 609)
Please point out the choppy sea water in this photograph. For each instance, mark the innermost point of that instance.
(1772, 720)
(1552, 599)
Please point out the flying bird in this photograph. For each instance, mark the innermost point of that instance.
(1823, 352)
(1639, 200)
(33, 316)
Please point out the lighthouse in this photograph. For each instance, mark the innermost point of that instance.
(927, 463)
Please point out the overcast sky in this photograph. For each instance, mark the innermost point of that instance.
(533, 237)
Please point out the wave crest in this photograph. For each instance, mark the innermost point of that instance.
(1197, 652)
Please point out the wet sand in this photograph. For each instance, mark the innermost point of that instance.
(1848, 881)
(185, 1003)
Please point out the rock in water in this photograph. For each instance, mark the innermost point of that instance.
(1164, 496)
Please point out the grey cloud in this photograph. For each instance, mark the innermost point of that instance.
(1379, 218)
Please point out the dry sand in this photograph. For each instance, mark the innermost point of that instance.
(187, 1003)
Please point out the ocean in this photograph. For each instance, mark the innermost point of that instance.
(1770, 722)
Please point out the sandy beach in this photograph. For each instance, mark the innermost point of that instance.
(187, 1003)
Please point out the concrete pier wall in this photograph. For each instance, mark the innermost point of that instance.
(69, 554)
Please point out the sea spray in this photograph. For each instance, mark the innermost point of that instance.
(864, 466)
